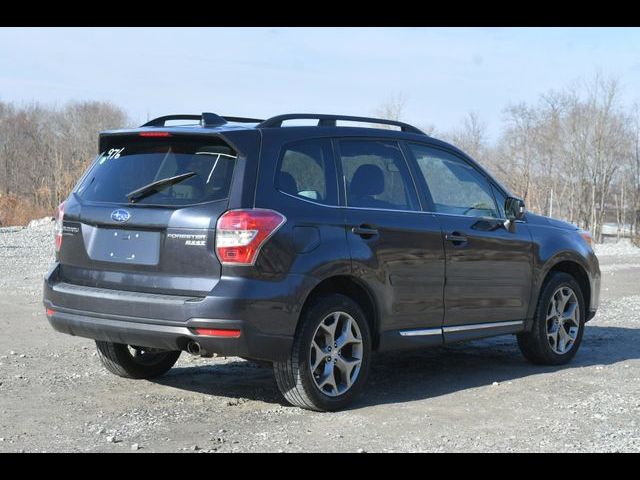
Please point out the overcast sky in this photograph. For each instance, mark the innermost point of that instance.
(442, 72)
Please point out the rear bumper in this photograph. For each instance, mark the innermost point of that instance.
(132, 331)
(265, 313)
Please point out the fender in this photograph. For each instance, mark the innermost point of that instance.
(551, 247)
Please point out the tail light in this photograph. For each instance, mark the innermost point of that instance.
(58, 227)
(240, 234)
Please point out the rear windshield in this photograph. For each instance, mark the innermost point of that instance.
(132, 163)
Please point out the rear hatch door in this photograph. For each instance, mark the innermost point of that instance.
(161, 239)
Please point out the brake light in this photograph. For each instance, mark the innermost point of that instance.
(58, 226)
(240, 234)
(155, 134)
(50, 312)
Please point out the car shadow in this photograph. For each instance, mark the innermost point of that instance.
(235, 379)
(397, 377)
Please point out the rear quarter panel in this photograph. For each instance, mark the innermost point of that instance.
(309, 247)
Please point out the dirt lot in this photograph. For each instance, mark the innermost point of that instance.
(477, 396)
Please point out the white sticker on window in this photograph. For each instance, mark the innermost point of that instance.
(111, 154)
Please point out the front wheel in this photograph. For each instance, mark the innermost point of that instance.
(130, 361)
(329, 361)
(558, 324)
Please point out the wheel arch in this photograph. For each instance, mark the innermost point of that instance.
(572, 267)
(353, 288)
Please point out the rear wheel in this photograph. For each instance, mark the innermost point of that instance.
(329, 361)
(558, 325)
(130, 361)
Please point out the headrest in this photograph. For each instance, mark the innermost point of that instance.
(368, 180)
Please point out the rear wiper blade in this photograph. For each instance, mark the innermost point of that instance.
(157, 186)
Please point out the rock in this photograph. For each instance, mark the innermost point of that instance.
(112, 439)
(361, 450)
(12, 353)
(495, 383)
(135, 446)
(195, 448)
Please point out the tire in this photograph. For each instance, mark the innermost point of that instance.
(294, 377)
(145, 363)
(537, 345)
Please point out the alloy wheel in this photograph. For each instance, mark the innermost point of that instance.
(563, 320)
(335, 355)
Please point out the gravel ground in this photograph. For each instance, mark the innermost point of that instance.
(476, 396)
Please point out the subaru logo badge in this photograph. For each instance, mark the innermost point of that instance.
(120, 215)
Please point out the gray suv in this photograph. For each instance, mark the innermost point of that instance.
(309, 246)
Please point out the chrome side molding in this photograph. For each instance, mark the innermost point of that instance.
(458, 328)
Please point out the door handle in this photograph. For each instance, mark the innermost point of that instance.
(456, 238)
(365, 231)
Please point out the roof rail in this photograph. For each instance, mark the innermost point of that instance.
(206, 120)
(325, 120)
(243, 119)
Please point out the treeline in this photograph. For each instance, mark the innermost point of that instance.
(44, 150)
(573, 155)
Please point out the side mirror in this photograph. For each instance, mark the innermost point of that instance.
(514, 208)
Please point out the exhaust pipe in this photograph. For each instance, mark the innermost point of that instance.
(193, 348)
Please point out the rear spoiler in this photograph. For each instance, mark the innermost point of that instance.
(109, 138)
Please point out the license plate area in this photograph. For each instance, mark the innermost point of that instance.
(134, 247)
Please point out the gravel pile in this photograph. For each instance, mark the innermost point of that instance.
(26, 253)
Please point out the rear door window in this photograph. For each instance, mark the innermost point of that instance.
(307, 171)
(377, 176)
(134, 162)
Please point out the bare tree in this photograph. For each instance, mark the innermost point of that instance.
(471, 137)
(44, 149)
(393, 108)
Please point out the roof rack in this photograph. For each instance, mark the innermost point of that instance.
(325, 120)
(206, 120)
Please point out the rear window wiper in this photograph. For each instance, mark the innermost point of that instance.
(157, 186)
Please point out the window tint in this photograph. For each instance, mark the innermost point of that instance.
(455, 186)
(134, 162)
(377, 175)
(307, 171)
